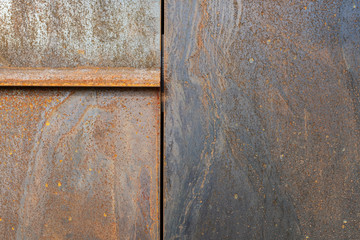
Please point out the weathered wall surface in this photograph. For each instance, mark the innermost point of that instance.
(73, 33)
(79, 163)
(262, 119)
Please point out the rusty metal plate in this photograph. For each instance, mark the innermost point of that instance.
(79, 163)
(73, 33)
(262, 119)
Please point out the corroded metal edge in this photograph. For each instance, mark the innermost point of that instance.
(80, 77)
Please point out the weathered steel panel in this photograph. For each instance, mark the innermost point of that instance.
(72, 33)
(79, 163)
(262, 119)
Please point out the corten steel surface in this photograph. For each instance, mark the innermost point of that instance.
(73, 33)
(262, 119)
(79, 163)
(80, 77)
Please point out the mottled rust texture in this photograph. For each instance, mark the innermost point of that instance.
(72, 33)
(262, 119)
(79, 163)
(80, 77)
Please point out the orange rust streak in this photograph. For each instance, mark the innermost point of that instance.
(80, 77)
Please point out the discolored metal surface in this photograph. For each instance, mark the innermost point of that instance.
(73, 33)
(80, 77)
(262, 119)
(79, 163)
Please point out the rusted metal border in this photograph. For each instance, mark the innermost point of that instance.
(80, 77)
(162, 119)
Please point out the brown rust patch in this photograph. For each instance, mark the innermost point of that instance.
(48, 190)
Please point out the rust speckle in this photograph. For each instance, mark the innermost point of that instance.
(67, 33)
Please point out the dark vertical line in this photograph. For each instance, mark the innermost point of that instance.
(162, 121)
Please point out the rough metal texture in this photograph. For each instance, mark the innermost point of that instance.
(72, 33)
(80, 77)
(262, 119)
(79, 163)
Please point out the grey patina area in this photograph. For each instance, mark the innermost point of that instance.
(262, 119)
(73, 33)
